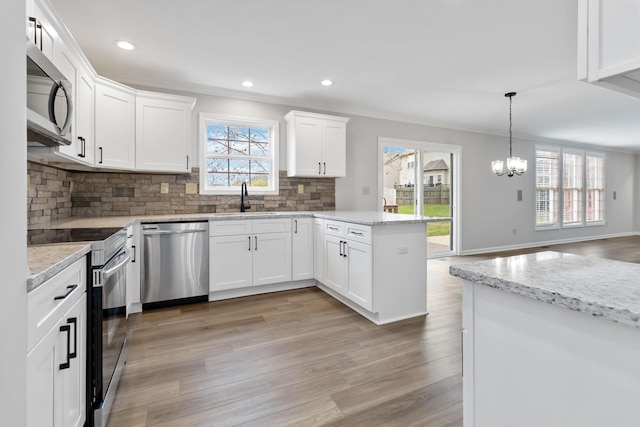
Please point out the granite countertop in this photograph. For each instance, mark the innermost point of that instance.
(45, 261)
(600, 287)
(358, 217)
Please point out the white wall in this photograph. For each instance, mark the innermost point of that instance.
(13, 195)
(489, 209)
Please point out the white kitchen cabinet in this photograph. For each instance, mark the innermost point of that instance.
(318, 249)
(163, 132)
(40, 29)
(115, 131)
(303, 246)
(56, 360)
(609, 44)
(348, 259)
(316, 144)
(249, 253)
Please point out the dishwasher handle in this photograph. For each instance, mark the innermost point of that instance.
(153, 232)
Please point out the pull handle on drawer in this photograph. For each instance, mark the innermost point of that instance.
(70, 289)
(356, 233)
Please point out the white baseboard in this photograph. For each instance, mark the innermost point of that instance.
(263, 289)
(545, 243)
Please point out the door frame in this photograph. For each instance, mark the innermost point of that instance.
(456, 178)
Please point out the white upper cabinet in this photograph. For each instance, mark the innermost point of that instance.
(163, 132)
(115, 125)
(316, 144)
(40, 29)
(609, 44)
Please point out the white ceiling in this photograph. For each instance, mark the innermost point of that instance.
(441, 62)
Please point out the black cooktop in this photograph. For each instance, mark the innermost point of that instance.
(62, 235)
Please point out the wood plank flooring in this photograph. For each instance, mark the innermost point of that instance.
(301, 358)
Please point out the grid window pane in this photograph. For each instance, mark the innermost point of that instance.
(573, 170)
(595, 188)
(547, 190)
(238, 153)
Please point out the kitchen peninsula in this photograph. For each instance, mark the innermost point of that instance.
(374, 262)
(550, 339)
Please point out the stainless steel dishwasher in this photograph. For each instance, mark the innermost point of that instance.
(175, 265)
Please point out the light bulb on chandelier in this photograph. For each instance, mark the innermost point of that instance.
(515, 165)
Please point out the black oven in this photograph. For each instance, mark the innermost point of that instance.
(109, 325)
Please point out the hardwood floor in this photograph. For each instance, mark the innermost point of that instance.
(302, 358)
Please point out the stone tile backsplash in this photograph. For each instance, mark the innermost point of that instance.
(56, 194)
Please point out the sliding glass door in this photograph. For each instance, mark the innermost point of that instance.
(420, 178)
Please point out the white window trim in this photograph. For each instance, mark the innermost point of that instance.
(274, 125)
(584, 223)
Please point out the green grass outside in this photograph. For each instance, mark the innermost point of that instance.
(433, 228)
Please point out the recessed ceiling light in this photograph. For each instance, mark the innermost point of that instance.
(125, 45)
(326, 82)
(247, 83)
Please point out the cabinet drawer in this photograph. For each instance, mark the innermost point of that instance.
(230, 228)
(334, 228)
(48, 302)
(277, 225)
(359, 233)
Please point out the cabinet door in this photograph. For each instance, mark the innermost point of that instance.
(56, 370)
(42, 369)
(318, 249)
(335, 272)
(334, 148)
(271, 258)
(114, 127)
(303, 230)
(84, 116)
(308, 146)
(162, 135)
(230, 262)
(41, 32)
(360, 274)
(70, 384)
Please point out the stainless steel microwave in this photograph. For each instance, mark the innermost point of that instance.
(49, 101)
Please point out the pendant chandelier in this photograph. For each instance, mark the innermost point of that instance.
(515, 165)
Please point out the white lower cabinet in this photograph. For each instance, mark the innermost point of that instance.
(249, 253)
(349, 269)
(56, 364)
(302, 255)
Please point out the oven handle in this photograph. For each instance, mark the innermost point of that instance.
(117, 262)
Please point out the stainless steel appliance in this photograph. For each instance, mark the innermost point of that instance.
(49, 109)
(109, 326)
(176, 263)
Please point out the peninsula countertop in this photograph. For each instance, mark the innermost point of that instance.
(358, 217)
(600, 287)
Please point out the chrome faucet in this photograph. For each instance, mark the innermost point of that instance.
(243, 194)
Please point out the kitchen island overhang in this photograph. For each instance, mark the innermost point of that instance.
(550, 339)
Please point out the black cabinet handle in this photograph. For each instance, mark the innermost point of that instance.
(67, 329)
(295, 221)
(249, 242)
(256, 241)
(39, 26)
(325, 168)
(100, 148)
(84, 147)
(344, 252)
(74, 321)
(70, 289)
(34, 21)
(187, 162)
(341, 247)
(319, 169)
(133, 257)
